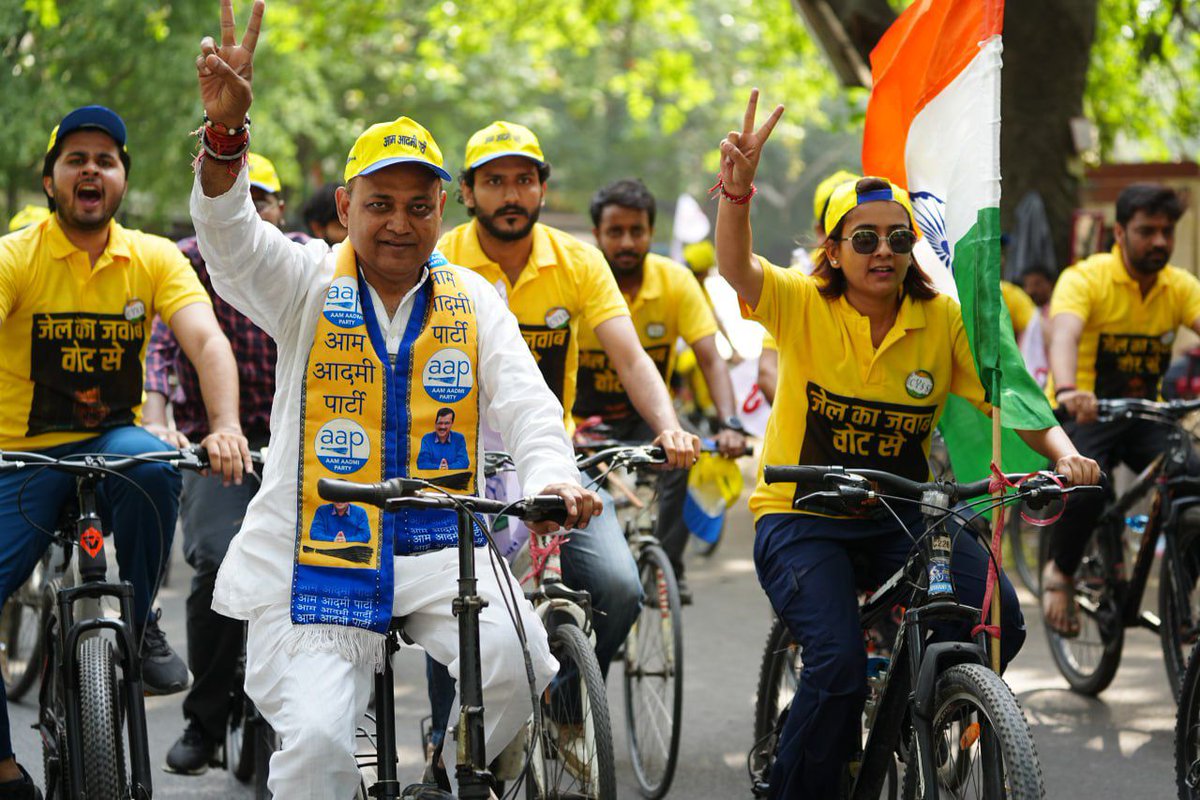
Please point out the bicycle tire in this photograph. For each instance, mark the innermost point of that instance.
(1178, 630)
(22, 635)
(551, 777)
(1024, 541)
(265, 743)
(653, 677)
(780, 661)
(102, 735)
(1102, 629)
(1187, 731)
(974, 685)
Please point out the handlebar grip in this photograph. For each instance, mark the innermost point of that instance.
(545, 508)
(336, 491)
(795, 473)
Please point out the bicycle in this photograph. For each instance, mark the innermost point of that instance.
(935, 707)
(572, 755)
(653, 650)
(1109, 598)
(474, 779)
(86, 714)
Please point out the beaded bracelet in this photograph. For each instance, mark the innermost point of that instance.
(737, 200)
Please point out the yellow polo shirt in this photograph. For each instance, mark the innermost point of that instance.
(564, 285)
(73, 336)
(841, 401)
(669, 305)
(1020, 306)
(1126, 343)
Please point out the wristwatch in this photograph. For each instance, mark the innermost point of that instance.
(733, 424)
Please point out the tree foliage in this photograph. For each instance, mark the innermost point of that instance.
(612, 87)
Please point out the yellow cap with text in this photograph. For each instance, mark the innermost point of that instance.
(401, 141)
(262, 174)
(502, 139)
(846, 197)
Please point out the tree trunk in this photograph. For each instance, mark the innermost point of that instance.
(1046, 54)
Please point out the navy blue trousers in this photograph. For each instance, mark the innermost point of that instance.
(807, 566)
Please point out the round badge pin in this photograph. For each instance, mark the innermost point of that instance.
(656, 330)
(135, 310)
(557, 317)
(919, 384)
(1168, 337)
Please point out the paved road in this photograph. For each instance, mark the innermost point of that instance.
(1117, 747)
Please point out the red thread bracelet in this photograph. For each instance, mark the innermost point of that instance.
(737, 200)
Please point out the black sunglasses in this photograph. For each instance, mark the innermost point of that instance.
(865, 242)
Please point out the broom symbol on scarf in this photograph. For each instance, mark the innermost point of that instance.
(355, 553)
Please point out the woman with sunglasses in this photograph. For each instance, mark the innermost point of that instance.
(868, 354)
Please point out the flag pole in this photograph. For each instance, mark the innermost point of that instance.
(997, 534)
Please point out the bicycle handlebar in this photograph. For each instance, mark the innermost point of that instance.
(193, 457)
(397, 493)
(1109, 409)
(855, 484)
(623, 454)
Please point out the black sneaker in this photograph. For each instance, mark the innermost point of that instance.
(193, 753)
(163, 672)
(23, 789)
(685, 591)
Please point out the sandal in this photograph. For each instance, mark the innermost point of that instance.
(1052, 587)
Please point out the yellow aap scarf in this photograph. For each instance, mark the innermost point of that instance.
(367, 418)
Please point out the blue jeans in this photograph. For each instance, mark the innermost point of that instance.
(142, 530)
(806, 565)
(597, 560)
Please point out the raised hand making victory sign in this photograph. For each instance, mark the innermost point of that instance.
(225, 72)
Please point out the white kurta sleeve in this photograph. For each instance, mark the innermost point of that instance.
(253, 265)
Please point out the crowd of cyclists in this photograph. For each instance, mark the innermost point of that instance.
(378, 346)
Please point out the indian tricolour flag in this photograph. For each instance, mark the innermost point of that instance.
(933, 126)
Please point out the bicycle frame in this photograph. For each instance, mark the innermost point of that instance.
(900, 695)
(92, 566)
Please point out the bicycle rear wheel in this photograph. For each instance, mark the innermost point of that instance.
(1187, 731)
(654, 677)
(102, 735)
(264, 745)
(1089, 661)
(983, 747)
(573, 755)
(21, 636)
(1179, 596)
(778, 680)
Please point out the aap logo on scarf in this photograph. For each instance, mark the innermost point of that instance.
(342, 446)
(341, 303)
(447, 376)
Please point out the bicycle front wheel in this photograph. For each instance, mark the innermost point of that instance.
(103, 738)
(1179, 596)
(1187, 731)
(654, 676)
(981, 742)
(21, 636)
(778, 680)
(573, 753)
(1089, 661)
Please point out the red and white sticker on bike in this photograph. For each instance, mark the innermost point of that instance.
(91, 541)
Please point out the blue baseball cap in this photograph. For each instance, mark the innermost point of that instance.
(97, 117)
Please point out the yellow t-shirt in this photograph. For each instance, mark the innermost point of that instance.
(73, 337)
(769, 343)
(839, 400)
(1126, 342)
(565, 284)
(670, 305)
(1020, 305)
